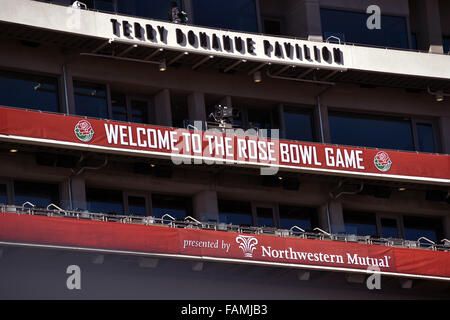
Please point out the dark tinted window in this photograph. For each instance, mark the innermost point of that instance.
(104, 201)
(264, 217)
(302, 217)
(298, 124)
(179, 110)
(230, 14)
(178, 207)
(235, 212)
(389, 228)
(446, 43)
(90, 99)
(39, 194)
(272, 27)
(119, 106)
(139, 111)
(22, 90)
(426, 137)
(371, 131)
(137, 206)
(3, 194)
(351, 27)
(360, 223)
(259, 118)
(157, 9)
(416, 227)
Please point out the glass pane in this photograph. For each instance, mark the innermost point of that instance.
(104, 5)
(426, 137)
(178, 207)
(446, 43)
(104, 201)
(360, 223)
(389, 228)
(28, 91)
(298, 124)
(179, 111)
(139, 111)
(259, 118)
(416, 227)
(265, 217)
(302, 217)
(371, 131)
(119, 107)
(393, 32)
(136, 206)
(230, 14)
(235, 212)
(272, 27)
(90, 99)
(3, 194)
(39, 194)
(157, 9)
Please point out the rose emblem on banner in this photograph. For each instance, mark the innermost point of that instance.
(83, 131)
(382, 161)
(247, 244)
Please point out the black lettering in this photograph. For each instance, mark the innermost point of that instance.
(316, 54)
(180, 36)
(126, 29)
(227, 43)
(337, 55)
(215, 42)
(267, 47)
(203, 40)
(162, 33)
(116, 27)
(238, 43)
(150, 34)
(278, 52)
(250, 45)
(191, 38)
(326, 54)
(287, 49)
(298, 51)
(138, 30)
(306, 51)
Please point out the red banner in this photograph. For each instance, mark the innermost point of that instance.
(227, 246)
(216, 147)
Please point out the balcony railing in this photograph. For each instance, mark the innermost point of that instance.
(169, 221)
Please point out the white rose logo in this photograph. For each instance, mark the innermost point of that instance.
(382, 161)
(83, 130)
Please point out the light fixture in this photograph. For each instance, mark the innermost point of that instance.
(401, 189)
(257, 77)
(13, 150)
(152, 165)
(280, 178)
(162, 66)
(439, 96)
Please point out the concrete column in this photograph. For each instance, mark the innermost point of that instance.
(303, 19)
(196, 106)
(78, 188)
(336, 216)
(205, 206)
(444, 125)
(163, 110)
(70, 98)
(428, 25)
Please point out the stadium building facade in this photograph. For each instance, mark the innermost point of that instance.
(262, 150)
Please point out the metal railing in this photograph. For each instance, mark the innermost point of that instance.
(168, 220)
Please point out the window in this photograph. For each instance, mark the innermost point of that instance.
(39, 194)
(360, 223)
(230, 14)
(272, 26)
(28, 91)
(259, 118)
(119, 106)
(104, 201)
(131, 110)
(156, 9)
(303, 217)
(371, 131)
(179, 110)
(446, 44)
(298, 124)
(139, 111)
(102, 5)
(392, 34)
(389, 228)
(416, 227)
(3, 194)
(90, 99)
(137, 206)
(264, 217)
(235, 212)
(425, 136)
(178, 207)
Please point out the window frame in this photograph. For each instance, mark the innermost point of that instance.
(310, 109)
(107, 96)
(384, 215)
(265, 205)
(139, 194)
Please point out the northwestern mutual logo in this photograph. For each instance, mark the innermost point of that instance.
(247, 244)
